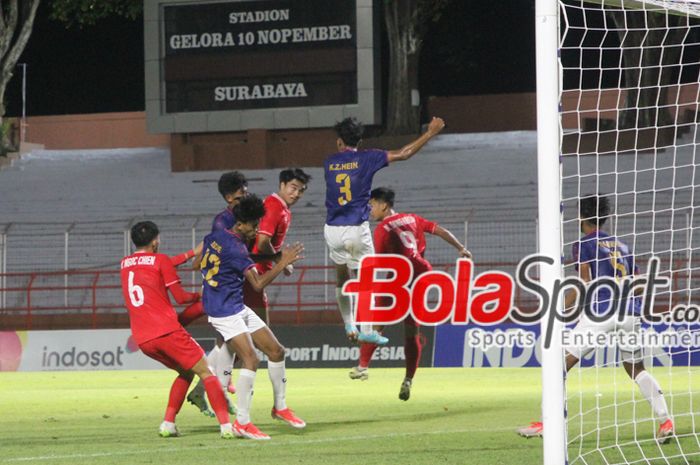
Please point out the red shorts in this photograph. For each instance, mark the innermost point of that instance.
(176, 350)
(254, 299)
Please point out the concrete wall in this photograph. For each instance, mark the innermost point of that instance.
(486, 113)
(256, 148)
(93, 131)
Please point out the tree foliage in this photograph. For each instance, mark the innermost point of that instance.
(88, 12)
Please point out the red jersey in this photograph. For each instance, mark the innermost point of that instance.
(145, 279)
(404, 234)
(274, 224)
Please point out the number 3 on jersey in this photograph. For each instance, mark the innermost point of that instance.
(344, 180)
(213, 260)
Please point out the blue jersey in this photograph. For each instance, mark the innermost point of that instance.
(349, 177)
(606, 256)
(225, 260)
(224, 220)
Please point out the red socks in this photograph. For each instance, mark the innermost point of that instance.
(178, 391)
(412, 348)
(191, 313)
(216, 398)
(366, 352)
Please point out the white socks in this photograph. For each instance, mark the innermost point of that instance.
(244, 393)
(652, 393)
(345, 307)
(223, 365)
(212, 357)
(276, 371)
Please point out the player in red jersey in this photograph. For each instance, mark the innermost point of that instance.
(273, 230)
(402, 234)
(146, 278)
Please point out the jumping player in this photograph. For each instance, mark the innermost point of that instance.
(226, 264)
(599, 254)
(348, 176)
(146, 278)
(402, 234)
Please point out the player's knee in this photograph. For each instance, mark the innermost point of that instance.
(277, 353)
(250, 361)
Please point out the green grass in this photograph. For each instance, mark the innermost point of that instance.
(455, 416)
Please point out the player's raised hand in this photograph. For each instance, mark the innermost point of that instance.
(436, 125)
(464, 253)
(292, 253)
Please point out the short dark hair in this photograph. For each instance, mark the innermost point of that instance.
(350, 130)
(143, 233)
(250, 208)
(594, 209)
(291, 174)
(383, 194)
(231, 182)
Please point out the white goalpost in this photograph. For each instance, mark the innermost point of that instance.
(618, 86)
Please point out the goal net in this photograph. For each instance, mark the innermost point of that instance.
(628, 131)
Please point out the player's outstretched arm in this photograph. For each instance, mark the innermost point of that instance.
(172, 283)
(185, 256)
(264, 245)
(450, 238)
(182, 296)
(436, 125)
(289, 255)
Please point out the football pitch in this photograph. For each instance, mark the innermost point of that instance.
(454, 416)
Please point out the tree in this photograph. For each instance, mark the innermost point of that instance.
(649, 65)
(88, 12)
(406, 24)
(16, 23)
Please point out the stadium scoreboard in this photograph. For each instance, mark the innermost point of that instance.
(259, 64)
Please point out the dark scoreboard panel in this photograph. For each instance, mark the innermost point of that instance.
(242, 55)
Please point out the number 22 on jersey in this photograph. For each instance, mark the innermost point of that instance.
(210, 263)
(344, 180)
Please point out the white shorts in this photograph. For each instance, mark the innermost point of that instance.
(629, 324)
(348, 244)
(245, 321)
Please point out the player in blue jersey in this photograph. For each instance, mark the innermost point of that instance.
(349, 173)
(233, 186)
(225, 265)
(598, 254)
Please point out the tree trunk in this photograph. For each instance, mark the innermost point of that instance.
(12, 40)
(405, 44)
(649, 67)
